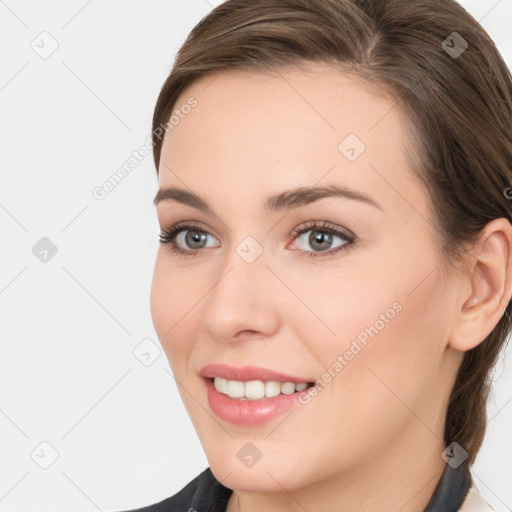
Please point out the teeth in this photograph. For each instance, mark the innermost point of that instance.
(256, 389)
(235, 389)
(272, 388)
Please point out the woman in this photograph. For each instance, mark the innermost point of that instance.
(335, 266)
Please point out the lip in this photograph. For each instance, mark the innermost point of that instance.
(249, 412)
(243, 411)
(247, 373)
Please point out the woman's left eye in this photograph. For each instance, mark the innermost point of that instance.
(189, 239)
(322, 239)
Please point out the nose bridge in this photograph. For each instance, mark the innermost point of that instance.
(239, 299)
(244, 269)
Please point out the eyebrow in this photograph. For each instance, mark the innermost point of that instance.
(286, 200)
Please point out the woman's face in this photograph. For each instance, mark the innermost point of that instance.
(340, 289)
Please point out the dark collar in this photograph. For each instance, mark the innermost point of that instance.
(451, 490)
(210, 495)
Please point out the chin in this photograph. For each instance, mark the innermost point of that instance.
(264, 476)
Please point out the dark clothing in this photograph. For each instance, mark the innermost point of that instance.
(202, 494)
(451, 490)
(206, 494)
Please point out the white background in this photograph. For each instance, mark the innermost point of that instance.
(68, 375)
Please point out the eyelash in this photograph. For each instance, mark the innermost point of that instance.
(169, 234)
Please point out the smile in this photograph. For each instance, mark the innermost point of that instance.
(257, 389)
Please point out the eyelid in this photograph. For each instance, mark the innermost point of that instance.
(322, 226)
(185, 225)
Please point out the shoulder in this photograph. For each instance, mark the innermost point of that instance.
(475, 502)
(202, 494)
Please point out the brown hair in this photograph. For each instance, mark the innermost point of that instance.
(459, 107)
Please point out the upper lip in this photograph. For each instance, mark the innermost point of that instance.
(247, 373)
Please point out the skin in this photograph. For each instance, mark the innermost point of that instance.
(372, 438)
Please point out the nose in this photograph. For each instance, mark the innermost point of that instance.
(241, 303)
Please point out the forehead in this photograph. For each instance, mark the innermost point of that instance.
(316, 101)
(286, 129)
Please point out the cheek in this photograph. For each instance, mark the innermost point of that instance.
(387, 351)
(353, 304)
(160, 301)
(384, 317)
(173, 302)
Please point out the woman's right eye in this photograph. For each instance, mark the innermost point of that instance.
(186, 239)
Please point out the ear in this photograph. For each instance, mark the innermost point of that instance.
(490, 283)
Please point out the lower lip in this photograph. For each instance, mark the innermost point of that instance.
(249, 412)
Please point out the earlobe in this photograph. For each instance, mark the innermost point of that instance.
(490, 279)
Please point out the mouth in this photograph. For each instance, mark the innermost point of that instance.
(257, 389)
(256, 408)
(251, 395)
